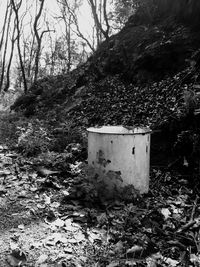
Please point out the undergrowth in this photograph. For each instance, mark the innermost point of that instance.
(8, 127)
(32, 137)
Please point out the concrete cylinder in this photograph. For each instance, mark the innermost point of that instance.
(121, 154)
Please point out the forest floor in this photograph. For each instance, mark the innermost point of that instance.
(58, 219)
(32, 231)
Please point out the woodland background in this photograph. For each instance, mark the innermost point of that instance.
(136, 64)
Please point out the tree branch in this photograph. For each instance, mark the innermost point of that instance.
(97, 21)
(78, 33)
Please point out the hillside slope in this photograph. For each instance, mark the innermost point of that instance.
(138, 77)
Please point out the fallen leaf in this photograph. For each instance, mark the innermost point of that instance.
(119, 247)
(55, 205)
(23, 194)
(5, 172)
(65, 192)
(42, 258)
(171, 262)
(68, 250)
(113, 264)
(21, 226)
(59, 223)
(33, 189)
(80, 237)
(134, 249)
(14, 245)
(16, 258)
(47, 199)
(72, 240)
(3, 191)
(55, 238)
(36, 245)
(93, 236)
(69, 226)
(166, 213)
(195, 259)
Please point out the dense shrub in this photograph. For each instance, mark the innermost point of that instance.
(66, 135)
(8, 128)
(149, 11)
(33, 138)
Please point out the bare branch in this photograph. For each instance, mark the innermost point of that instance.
(98, 24)
(78, 31)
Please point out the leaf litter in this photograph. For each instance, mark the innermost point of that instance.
(63, 219)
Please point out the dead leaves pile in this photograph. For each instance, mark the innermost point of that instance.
(162, 229)
(65, 225)
(112, 101)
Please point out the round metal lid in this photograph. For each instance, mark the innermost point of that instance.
(120, 130)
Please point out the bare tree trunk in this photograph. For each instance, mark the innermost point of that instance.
(69, 44)
(94, 10)
(16, 10)
(52, 67)
(5, 50)
(31, 57)
(38, 38)
(68, 23)
(106, 18)
(4, 26)
(100, 19)
(13, 39)
(78, 31)
(97, 20)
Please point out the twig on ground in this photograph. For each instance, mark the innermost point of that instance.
(194, 208)
(186, 226)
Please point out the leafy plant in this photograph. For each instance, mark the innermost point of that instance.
(66, 134)
(62, 161)
(8, 127)
(33, 139)
(106, 186)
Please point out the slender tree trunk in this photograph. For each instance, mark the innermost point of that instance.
(97, 20)
(68, 23)
(78, 31)
(38, 39)
(31, 57)
(105, 15)
(52, 56)
(69, 45)
(94, 11)
(7, 85)
(4, 26)
(5, 50)
(16, 10)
